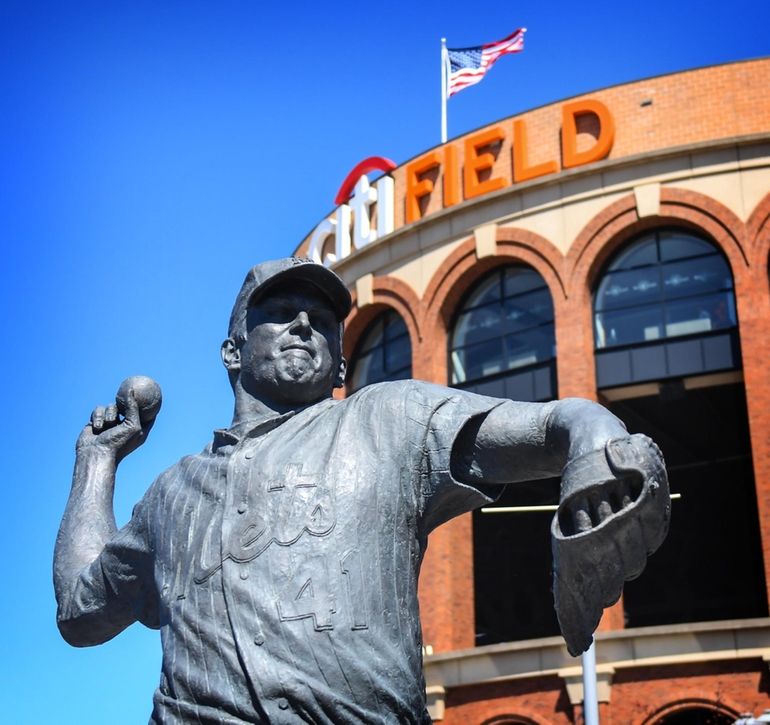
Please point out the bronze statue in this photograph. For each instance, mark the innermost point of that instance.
(281, 562)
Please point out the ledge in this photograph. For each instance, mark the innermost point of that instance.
(622, 649)
(505, 206)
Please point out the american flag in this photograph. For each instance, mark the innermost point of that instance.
(468, 65)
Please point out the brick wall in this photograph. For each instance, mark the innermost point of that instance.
(696, 106)
(638, 695)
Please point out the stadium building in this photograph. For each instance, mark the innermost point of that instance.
(612, 246)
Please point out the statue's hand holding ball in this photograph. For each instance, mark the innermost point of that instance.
(147, 394)
(120, 428)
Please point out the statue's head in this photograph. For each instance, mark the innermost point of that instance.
(284, 341)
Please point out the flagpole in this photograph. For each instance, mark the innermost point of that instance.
(443, 89)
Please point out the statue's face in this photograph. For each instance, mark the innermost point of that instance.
(292, 352)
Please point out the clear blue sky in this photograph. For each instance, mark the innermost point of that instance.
(150, 153)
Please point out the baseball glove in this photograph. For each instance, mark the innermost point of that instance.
(614, 512)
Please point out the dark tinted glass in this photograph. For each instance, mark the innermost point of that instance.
(637, 255)
(396, 327)
(520, 279)
(384, 353)
(478, 324)
(629, 288)
(488, 291)
(523, 311)
(506, 323)
(700, 314)
(678, 245)
(625, 327)
(696, 276)
(374, 335)
(666, 284)
(477, 361)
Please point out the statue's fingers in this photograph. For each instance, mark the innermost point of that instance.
(602, 506)
(97, 418)
(580, 509)
(110, 415)
(132, 411)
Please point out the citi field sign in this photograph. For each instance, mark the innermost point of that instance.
(367, 212)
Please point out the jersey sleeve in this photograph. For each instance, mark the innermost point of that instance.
(435, 416)
(116, 589)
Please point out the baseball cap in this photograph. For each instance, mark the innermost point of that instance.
(265, 275)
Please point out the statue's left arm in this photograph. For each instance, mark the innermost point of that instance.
(614, 505)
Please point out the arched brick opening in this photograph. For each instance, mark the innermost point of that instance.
(660, 716)
(446, 582)
(758, 238)
(389, 293)
(609, 230)
(463, 269)
(605, 235)
(511, 720)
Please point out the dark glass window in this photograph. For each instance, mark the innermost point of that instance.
(710, 565)
(384, 353)
(502, 344)
(666, 284)
(502, 341)
(664, 307)
(696, 716)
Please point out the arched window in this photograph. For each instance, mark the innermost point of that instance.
(502, 341)
(502, 344)
(696, 716)
(384, 352)
(668, 364)
(664, 307)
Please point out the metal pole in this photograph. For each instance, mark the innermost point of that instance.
(590, 699)
(443, 89)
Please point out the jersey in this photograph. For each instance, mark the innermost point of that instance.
(281, 563)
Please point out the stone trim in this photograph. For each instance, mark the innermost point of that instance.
(642, 647)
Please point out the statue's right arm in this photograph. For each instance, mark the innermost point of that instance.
(90, 611)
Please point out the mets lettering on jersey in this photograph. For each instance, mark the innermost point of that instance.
(281, 562)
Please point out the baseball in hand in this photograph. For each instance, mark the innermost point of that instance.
(147, 394)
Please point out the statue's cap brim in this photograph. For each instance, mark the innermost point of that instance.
(266, 275)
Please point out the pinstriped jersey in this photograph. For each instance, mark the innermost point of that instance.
(281, 562)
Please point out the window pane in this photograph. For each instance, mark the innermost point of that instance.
(624, 327)
(699, 314)
(637, 255)
(696, 276)
(478, 361)
(374, 335)
(676, 245)
(527, 348)
(385, 353)
(521, 280)
(489, 291)
(368, 369)
(395, 327)
(477, 325)
(508, 332)
(528, 310)
(398, 355)
(402, 374)
(624, 289)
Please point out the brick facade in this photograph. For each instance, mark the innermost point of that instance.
(724, 107)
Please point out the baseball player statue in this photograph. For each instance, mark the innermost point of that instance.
(280, 564)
